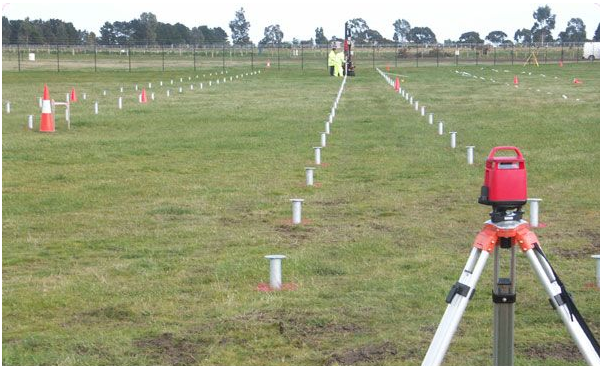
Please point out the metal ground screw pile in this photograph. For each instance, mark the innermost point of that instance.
(597, 258)
(317, 155)
(310, 174)
(275, 270)
(534, 211)
(297, 210)
(470, 155)
(453, 140)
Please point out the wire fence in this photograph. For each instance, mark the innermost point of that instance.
(97, 58)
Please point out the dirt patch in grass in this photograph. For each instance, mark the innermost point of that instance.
(115, 313)
(593, 237)
(167, 348)
(370, 353)
(592, 247)
(565, 352)
(306, 327)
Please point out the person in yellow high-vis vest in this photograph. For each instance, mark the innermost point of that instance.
(331, 61)
(339, 61)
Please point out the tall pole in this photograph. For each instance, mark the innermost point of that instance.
(57, 59)
(95, 57)
(302, 54)
(396, 56)
(162, 48)
(252, 57)
(512, 55)
(278, 59)
(437, 56)
(194, 52)
(373, 56)
(129, 55)
(223, 56)
(495, 48)
(417, 55)
(19, 56)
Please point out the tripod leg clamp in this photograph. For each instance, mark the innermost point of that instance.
(458, 289)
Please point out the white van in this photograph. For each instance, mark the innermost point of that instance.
(591, 50)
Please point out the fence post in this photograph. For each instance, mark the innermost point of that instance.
(278, 59)
(302, 54)
(223, 58)
(252, 57)
(476, 57)
(417, 58)
(57, 59)
(437, 56)
(562, 51)
(495, 49)
(373, 56)
(546, 55)
(95, 57)
(194, 53)
(19, 57)
(129, 56)
(396, 56)
(512, 55)
(577, 53)
(162, 49)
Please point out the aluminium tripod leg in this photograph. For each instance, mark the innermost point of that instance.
(564, 306)
(457, 300)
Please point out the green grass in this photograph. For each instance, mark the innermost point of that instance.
(137, 237)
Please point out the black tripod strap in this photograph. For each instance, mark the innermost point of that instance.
(566, 298)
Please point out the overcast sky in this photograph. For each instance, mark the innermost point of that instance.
(298, 19)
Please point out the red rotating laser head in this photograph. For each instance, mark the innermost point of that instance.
(505, 183)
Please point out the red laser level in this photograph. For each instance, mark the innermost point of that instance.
(505, 183)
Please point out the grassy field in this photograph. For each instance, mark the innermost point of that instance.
(137, 237)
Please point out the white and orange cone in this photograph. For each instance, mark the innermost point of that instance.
(47, 120)
(143, 98)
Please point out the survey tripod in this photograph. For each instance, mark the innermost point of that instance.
(507, 231)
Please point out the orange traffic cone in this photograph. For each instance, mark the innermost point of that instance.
(73, 95)
(143, 98)
(47, 120)
(560, 63)
(577, 81)
(397, 84)
(516, 81)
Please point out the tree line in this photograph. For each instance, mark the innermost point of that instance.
(147, 30)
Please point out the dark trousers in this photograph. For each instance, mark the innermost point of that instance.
(331, 70)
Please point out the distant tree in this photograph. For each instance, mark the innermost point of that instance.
(273, 35)
(373, 36)
(220, 35)
(6, 30)
(91, 38)
(147, 28)
(470, 37)
(545, 22)
(421, 35)
(239, 28)
(575, 31)
(196, 35)
(597, 33)
(401, 29)
(523, 36)
(496, 37)
(107, 34)
(320, 36)
(359, 30)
